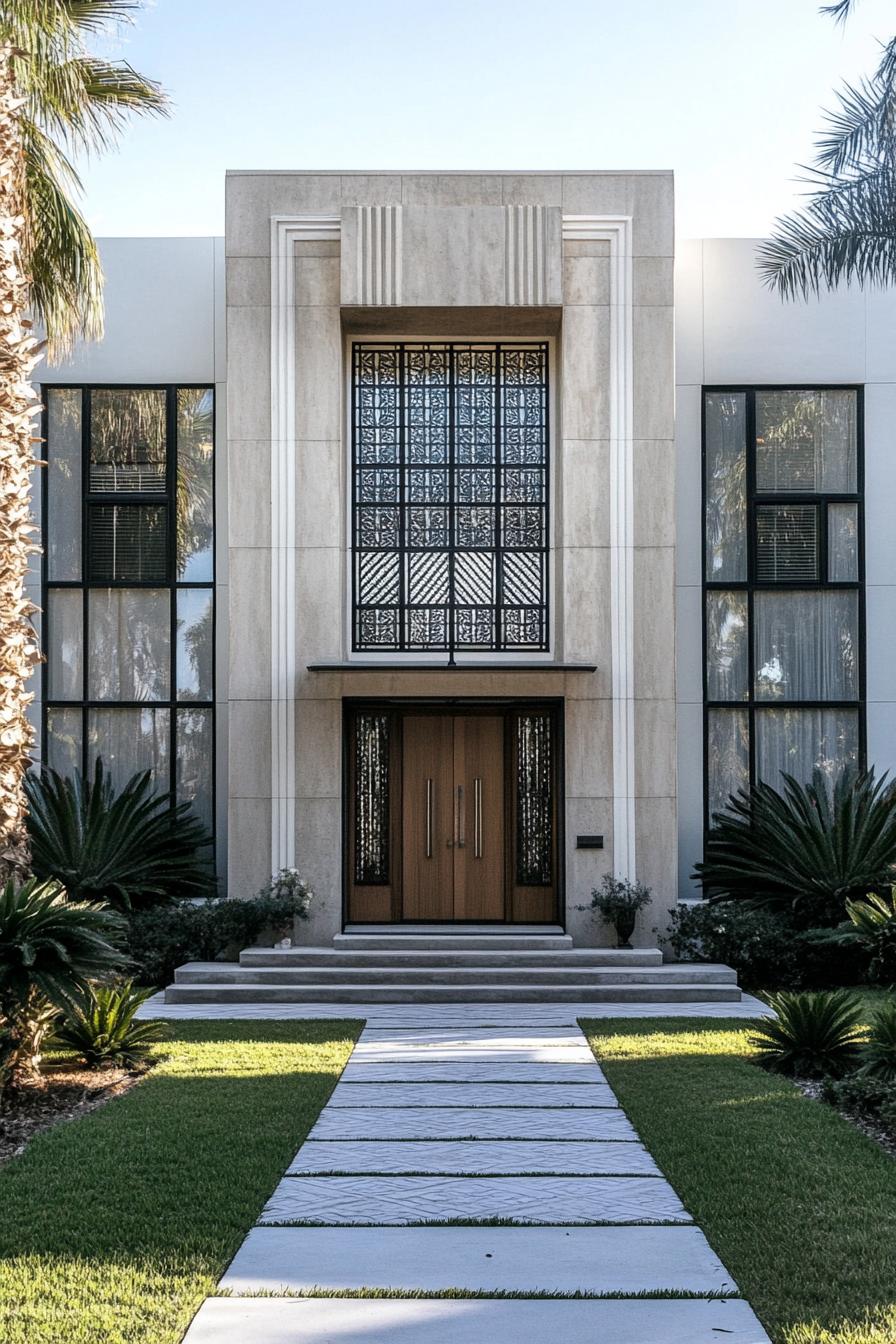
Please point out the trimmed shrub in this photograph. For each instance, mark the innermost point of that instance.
(127, 848)
(870, 1097)
(764, 946)
(806, 850)
(104, 1033)
(163, 937)
(811, 1036)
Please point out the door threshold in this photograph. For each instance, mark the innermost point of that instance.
(458, 926)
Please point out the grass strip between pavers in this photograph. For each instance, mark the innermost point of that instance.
(115, 1226)
(799, 1205)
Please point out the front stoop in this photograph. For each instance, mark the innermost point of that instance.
(416, 964)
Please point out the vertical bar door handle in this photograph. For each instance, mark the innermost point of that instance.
(429, 818)
(461, 837)
(477, 818)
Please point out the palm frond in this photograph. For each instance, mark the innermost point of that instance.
(74, 103)
(85, 102)
(805, 850)
(127, 846)
(93, 16)
(811, 1035)
(858, 128)
(846, 233)
(62, 256)
(839, 11)
(63, 20)
(104, 1030)
(878, 1054)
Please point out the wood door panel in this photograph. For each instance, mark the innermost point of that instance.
(479, 888)
(428, 817)
(454, 775)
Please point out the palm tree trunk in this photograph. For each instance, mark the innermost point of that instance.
(19, 353)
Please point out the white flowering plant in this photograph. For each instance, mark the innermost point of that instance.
(289, 888)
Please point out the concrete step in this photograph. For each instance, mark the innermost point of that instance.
(451, 942)
(387, 958)
(672, 991)
(494, 973)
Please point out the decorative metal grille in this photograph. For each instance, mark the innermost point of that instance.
(372, 799)
(450, 497)
(534, 801)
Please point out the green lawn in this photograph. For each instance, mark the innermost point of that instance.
(113, 1228)
(800, 1206)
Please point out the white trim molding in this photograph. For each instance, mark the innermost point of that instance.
(286, 231)
(616, 230)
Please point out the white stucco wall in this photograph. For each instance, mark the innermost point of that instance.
(164, 323)
(731, 329)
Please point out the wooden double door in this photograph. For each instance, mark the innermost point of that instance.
(453, 845)
(452, 815)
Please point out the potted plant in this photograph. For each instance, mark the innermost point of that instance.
(618, 901)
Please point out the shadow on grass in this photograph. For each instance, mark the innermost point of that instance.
(800, 1206)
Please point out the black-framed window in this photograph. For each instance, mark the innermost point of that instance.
(450, 496)
(128, 579)
(783, 585)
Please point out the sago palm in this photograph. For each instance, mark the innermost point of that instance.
(51, 949)
(847, 230)
(878, 1054)
(811, 1035)
(128, 847)
(104, 1030)
(805, 850)
(57, 100)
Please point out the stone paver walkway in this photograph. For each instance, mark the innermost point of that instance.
(477, 1156)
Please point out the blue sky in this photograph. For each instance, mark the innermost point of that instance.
(726, 92)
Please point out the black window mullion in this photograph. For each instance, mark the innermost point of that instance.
(821, 502)
(823, 540)
(750, 448)
(171, 469)
(86, 400)
(87, 584)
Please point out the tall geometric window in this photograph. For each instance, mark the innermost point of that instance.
(450, 459)
(783, 576)
(128, 573)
